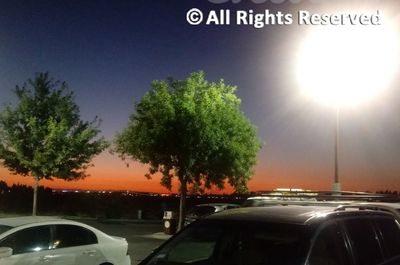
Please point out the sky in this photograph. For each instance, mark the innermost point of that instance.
(110, 51)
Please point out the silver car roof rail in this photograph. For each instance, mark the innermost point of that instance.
(358, 206)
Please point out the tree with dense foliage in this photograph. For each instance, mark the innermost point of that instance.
(44, 137)
(3, 187)
(192, 129)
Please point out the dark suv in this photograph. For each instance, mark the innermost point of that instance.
(285, 235)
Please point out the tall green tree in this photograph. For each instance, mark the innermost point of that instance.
(192, 129)
(43, 135)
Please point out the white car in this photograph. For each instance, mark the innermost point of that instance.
(50, 240)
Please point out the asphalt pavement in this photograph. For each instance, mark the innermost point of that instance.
(143, 237)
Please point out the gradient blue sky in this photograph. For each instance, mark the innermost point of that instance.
(109, 52)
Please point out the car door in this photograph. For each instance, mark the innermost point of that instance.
(74, 244)
(30, 246)
(329, 247)
(389, 232)
(365, 244)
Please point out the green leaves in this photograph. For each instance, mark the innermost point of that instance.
(192, 129)
(43, 135)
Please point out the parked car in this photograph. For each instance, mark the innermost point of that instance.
(201, 210)
(316, 198)
(285, 235)
(258, 201)
(48, 240)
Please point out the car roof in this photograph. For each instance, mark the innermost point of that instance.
(25, 220)
(292, 214)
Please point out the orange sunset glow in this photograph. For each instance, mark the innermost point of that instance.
(111, 173)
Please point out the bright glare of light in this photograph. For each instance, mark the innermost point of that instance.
(347, 65)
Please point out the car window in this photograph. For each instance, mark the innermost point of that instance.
(28, 240)
(193, 245)
(237, 243)
(364, 241)
(267, 244)
(71, 236)
(329, 248)
(390, 232)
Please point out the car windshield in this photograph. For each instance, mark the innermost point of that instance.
(232, 243)
(4, 228)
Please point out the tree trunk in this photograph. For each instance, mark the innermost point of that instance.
(35, 190)
(182, 204)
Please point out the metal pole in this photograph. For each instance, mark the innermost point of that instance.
(336, 184)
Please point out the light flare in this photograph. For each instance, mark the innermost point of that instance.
(347, 65)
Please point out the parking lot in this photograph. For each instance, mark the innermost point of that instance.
(142, 237)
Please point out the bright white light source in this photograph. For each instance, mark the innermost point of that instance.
(347, 65)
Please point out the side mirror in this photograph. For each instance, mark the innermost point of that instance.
(5, 252)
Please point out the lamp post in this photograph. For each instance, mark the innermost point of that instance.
(336, 184)
(345, 66)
